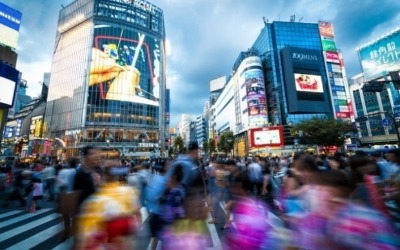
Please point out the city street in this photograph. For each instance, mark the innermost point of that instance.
(42, 230)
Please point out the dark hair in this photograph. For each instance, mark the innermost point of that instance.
(336, 179)
(307, 163)
(86, 150)
(73, 162)
(193, 145)
(244, 181)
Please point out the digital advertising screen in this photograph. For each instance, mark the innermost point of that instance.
(309, 83)
(267, 137)
(10, 20)
(126, 66)
(328, 44)
(381, 56)
(7, 91)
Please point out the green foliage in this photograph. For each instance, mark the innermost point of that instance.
(170, 151)
(226, 141)
(178, 145)
(211, 146)
(321, 132)
(205, 147)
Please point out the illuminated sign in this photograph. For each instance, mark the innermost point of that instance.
(308, 83)
(10, 20)
(144, 5)
(8, 82)
(326, 29)
(328, 44)
(332, 57)
(381, 57)
(267, 137)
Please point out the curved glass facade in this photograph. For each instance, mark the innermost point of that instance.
(107, 83)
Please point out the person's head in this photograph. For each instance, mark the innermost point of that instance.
(305, 166)
(241, 185)
(73, 162)
(362, 165)
(90, 156)
(393, 156)
(193, 150)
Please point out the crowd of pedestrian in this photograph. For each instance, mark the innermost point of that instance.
(323, 202)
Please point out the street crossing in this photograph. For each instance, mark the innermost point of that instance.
(20, 229)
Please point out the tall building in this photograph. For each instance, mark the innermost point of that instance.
(10, 20)
(291, 73)
(201, 130)
(378, 109)
(107, 85)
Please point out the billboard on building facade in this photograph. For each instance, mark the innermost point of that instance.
(381, 56)
(328, 44)
(8, 81)
(167, 106)
(326, 29)
(253, 77)
(126, 66)
(10, 20)
(305, 80)
(267, 137)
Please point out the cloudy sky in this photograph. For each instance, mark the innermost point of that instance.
(206, 36)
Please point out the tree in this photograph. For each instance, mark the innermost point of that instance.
(226, 141)
(170, 151)
(205, 147)
(211, 146)
(178, 145)
(321, 132)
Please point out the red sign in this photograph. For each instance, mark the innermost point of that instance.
(326, 29)
(332, 56)
(267, 137)
(342, 115)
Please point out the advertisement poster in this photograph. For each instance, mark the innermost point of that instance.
(272, 136)
(255, 92)
(125, 66)
(308, 83)
(332, 57)
(7, 91)
(326, 29)
(381, 57)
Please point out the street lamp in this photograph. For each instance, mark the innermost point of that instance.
(108, 145)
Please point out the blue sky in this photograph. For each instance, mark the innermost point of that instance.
(206, 36)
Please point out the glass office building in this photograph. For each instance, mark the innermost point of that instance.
(293, 50)
(107, 86)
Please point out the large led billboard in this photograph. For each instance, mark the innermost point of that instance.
(305, 81)
(309, 83)
(267, 137)
(126, 66)
(10, 20)
(381, 56)
(8, 81)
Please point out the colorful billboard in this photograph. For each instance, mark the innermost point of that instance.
(309, 83)
(253, 78)
(267, 137)
(332, 57)
(381, 56)
(167, 106)
(10, 20)
(126, 66)
(326, 29)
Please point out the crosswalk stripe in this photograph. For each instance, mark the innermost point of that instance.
(24, 228)
(214, 235)
(37, 238)
(7, 214)
(22, 217)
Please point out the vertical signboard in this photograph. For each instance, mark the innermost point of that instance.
(336, 74)
(167, 106)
